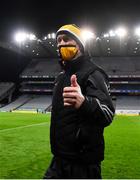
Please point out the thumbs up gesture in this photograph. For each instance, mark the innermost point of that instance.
(74, 81)
(72, 95)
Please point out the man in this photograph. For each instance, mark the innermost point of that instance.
(81, 108)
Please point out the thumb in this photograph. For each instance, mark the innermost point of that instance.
(74, 81)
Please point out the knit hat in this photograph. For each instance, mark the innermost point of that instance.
(73, 31)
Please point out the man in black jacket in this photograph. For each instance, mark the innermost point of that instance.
(81, 109)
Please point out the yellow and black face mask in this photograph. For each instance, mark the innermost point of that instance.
(68, 52)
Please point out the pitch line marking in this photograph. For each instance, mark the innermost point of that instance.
(20, 127)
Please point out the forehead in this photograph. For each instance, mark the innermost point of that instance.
(64, 36)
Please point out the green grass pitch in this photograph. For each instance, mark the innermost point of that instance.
(25, 148)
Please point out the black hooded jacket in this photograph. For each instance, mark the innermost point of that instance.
(78, 133)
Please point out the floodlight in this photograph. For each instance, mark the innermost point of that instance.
(53, 35)
(45, 37)
(137, 31)
(86, 35)
(20, 37)
(112, 33)
(121, 32)
(32, 37)
(106, 35)
(49, 36)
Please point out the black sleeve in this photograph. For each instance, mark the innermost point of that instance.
(98, 106)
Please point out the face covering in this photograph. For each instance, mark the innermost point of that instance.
(68, 52)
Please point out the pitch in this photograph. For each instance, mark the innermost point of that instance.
(25, 147)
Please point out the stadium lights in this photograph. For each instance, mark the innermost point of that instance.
(137, 31)
(106, 35)
(86, 35)
(45, 37)
(23, 36)
(53, 35)
(32, 37)
(112, 33)
(121, 32)
(20, 37)
(50, 36)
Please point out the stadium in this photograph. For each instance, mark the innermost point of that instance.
(28, 69)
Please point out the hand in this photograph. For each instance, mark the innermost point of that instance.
(72, 95)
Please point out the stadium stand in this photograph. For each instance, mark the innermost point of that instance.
(124, 75)
(37, 82)
(125, 87)
(120, 66)
(41, 68)
(37, 86)
(16, 103)
(39, 103)
(6, 91)
(28, 102)
(128, 105)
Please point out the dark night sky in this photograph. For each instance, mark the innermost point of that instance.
(42, 16)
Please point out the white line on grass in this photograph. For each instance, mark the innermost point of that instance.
(20, 127)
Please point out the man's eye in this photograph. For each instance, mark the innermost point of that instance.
(59, 40)
(66, 39)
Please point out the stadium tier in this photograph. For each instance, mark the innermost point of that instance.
(28, 102)
(6, 91)
(128, 105)
(41, 68)
(120, 67)
(37, 87)
(125, 87)
(19, 101)
(39, 103)
(37, 82)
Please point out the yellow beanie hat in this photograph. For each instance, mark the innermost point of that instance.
(72, 30)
